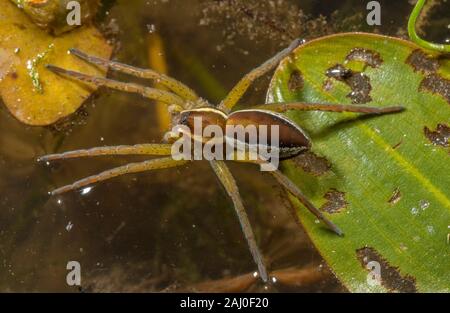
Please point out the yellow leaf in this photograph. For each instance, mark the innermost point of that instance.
(33, 94)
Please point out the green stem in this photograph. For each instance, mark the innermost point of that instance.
(412, 31)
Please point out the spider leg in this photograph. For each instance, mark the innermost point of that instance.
(151, 93)
(177, 87)
(150, 149)
(283, 107)
(241, 87)
(121, 170)
(294, 190)
(227, 180)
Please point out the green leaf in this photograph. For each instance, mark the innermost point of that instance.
(33, 94)
(383, 179)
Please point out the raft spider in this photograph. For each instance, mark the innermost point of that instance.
(184, 102)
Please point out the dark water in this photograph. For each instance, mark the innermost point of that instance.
(172, 229)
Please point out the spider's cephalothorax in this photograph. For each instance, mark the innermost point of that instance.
(185, 105)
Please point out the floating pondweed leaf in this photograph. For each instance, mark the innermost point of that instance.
(395, 181)
(33, 94)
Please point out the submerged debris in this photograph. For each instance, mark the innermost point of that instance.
(278, 21)
(32, 69)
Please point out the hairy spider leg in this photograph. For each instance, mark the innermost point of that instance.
(328, 107)
(176, 86)
(148, 165)
(295, 191)
(241, 87)
(149, 149)
(147, 92)
(226, 178)
(284, 181)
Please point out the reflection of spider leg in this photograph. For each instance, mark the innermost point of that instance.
(294, 190)
(241, 87)
(149, 149)
(301, 106)
(121, 170)
(147, 92)
(177, 87)
(227, 180)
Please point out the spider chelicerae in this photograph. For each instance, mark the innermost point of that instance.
(184, 104)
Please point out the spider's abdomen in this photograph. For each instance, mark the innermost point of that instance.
(250, 127)
(292, 140)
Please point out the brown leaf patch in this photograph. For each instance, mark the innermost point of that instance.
(296, 81)
(440, 136)
(436, 84)
(312, 163)
(335, 201)
(420, 62)
(391, 278)
(358, 82)
(371, 58)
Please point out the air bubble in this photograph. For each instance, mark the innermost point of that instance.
(151, 28)
(69, 226)
(424, 204)
(86, 190)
